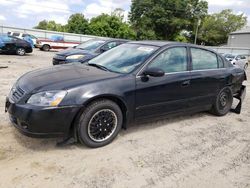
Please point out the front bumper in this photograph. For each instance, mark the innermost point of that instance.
(36, 121)
(64, 61)
(38, 45)
(58, 61)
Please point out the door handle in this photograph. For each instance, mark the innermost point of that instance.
(185, 83)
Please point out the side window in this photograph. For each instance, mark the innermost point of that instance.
(110, 45)
(6, 39)
(171, 60)
(203, 59)
(220, 62)
(16, 34)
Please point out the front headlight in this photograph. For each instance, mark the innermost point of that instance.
(47, 98)
(75, 57)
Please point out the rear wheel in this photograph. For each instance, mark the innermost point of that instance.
(100, 123)
(20, 51)
(46, 48)
(223, 102)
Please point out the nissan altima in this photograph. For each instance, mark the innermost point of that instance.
(135, 81)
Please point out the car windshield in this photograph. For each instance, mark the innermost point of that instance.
(124, 58)
(90, 45)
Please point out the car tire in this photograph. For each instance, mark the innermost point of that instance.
(20, 51)
(223, 102)
(99, 123)
(46, 48)
(245, 67)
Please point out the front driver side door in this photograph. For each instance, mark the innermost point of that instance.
(157, 96)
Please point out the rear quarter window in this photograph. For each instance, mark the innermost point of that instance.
(203, 59)
(220, 62)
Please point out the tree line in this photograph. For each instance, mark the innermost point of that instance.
(175, 20)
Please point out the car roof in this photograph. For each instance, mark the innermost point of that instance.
(110, 39)
(164, 43)
(168, 43)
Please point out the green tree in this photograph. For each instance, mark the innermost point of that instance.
(164, 19)
(110, 26)
(77, 24)
(118, 12)
(215, 28)
(50, 25)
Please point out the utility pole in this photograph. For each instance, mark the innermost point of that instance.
(196, 32)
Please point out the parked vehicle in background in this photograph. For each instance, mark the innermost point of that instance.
(14, 45)
(239, 60)
(86, 51)
(133, 82)
(23, 36)
(55, 42)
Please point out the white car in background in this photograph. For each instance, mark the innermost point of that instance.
(239, 60)
(22, 35)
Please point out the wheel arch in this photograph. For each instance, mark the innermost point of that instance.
(120, 102)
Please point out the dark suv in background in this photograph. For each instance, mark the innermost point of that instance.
(87, 50)
(14, 45)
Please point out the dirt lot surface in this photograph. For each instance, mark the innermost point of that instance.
(189, 151)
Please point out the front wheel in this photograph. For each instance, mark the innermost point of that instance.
(20, 51)
(223, 102)
(100, 123)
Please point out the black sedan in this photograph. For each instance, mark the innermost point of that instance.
(136, 81)
(86, 51)
(14, 45)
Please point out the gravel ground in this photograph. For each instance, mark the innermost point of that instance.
(200, 150)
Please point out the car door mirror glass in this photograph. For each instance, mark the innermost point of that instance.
(154, 72)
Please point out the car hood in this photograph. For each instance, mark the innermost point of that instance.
(62, 77)
(74, 51)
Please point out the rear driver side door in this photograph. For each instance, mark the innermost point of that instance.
(208, 75)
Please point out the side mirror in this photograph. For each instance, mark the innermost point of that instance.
(154, 72)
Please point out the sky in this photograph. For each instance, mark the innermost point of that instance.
(27, 13)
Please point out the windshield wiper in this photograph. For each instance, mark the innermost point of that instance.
(99, 66)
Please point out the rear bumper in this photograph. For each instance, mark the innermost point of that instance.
(39, 121)
(240, 96)
(29, 50)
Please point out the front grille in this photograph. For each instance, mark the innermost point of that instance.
(16, 94)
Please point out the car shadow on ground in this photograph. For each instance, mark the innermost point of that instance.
(45, 144)
(156, 123)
